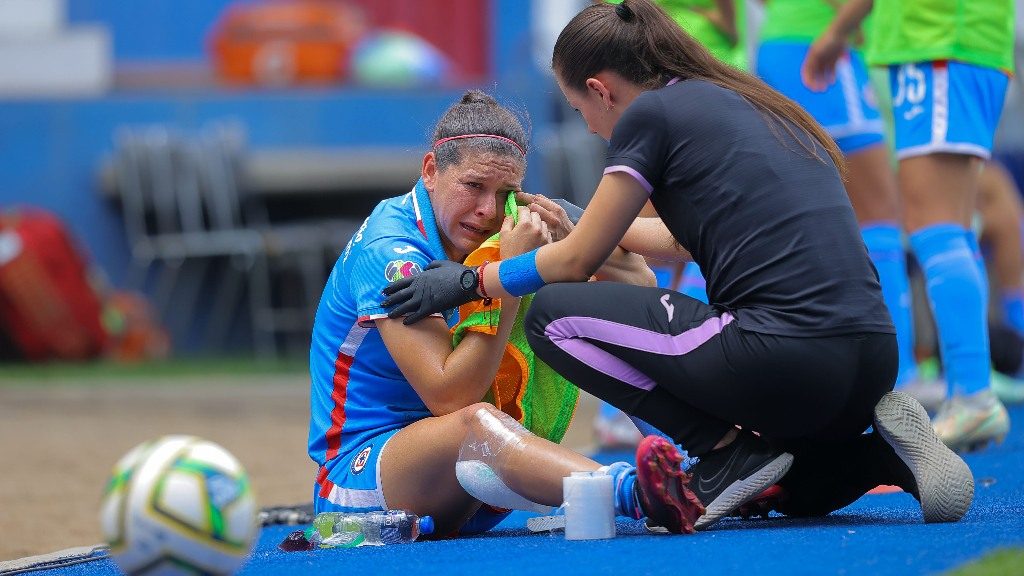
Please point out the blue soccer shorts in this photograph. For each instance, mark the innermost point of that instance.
(847, 109)
(352, 483)
(945, 106)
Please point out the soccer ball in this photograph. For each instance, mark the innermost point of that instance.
(179, 505)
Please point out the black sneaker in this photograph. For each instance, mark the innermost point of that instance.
(729, 477)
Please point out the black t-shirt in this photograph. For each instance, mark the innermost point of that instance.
(769, 224)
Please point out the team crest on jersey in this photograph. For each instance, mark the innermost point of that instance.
(398, 269)
(359, 462)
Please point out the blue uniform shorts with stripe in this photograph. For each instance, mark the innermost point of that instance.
(847, 109)
(353, 482)
(945, 106)
(354, 485)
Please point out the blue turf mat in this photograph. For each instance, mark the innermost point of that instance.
(878, 535)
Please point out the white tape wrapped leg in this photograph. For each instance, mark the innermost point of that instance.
(492, 437)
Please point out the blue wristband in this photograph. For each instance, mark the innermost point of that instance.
(519, 276)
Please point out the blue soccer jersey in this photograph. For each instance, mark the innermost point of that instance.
(357, 391)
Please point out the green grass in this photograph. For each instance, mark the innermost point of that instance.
(63, 372)
(998, 563)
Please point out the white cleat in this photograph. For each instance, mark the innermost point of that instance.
(1008, 389)
(969, 423)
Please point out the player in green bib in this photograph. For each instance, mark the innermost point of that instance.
(948, 64)
(800, 20)
(968, 31)
(717, 24)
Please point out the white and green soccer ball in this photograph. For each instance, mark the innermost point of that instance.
(179, 505)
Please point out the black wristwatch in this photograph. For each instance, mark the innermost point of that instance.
(468, 280)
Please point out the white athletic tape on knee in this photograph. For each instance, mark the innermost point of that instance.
(481, 482)
(496, 433)
(481, 459)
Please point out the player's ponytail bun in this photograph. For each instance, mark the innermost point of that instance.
(478, 113)
(478, 97)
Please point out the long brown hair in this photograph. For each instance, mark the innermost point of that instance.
(640, 42)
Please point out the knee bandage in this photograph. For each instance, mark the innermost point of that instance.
(484, 457)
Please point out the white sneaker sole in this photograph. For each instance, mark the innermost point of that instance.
(742, 491)
(944, 481)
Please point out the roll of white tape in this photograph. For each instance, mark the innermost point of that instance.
(589, 506)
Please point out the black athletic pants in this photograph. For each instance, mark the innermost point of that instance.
(691, 371)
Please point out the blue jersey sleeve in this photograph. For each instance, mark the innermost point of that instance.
(378, 263)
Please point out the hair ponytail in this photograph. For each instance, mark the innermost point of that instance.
(637, 40)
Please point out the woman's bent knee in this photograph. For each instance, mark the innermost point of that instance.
(469, 413)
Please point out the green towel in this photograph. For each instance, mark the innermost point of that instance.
(525, 387)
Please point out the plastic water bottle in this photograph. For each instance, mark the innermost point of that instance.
(348, 530)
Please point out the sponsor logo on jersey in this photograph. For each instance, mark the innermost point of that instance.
(359, 462)
(398, 269)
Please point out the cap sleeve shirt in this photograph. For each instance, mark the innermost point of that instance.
(357, 389)
(769, 224)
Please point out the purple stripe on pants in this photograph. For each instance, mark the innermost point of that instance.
(568, 334)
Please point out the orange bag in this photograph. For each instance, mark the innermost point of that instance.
(277, 42)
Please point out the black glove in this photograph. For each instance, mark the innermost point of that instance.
(441, 286)
(573, 211)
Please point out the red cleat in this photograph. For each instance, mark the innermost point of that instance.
(665, 498)
(767, 501)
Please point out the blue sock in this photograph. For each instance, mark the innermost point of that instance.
(1013, 309)
(693, 284)
(623, 481)
(979, 261)
(955, 290)
(885, 248)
